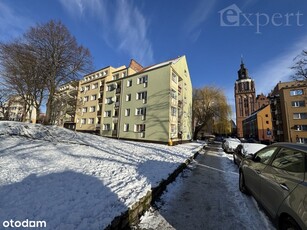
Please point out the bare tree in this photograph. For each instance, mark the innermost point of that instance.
(208, 103)
(61, 58)
(47, 56)
(22, 75)
(300, 67)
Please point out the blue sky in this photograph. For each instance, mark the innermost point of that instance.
(212, 34)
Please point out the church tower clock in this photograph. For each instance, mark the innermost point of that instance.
(245, 99)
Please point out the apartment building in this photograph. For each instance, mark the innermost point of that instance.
(16, 109)
(152, 104)
(64, 106)
(259, 125)
(91, 99)
(289, 113)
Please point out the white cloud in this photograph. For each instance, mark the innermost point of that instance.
(124, 27)
(74, 7)
(278, 69)
(12, 23)
(194, 23)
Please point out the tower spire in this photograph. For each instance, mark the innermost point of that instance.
(242, 63)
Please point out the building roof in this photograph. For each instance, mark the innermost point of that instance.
(172, 61)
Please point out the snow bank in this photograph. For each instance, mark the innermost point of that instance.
(74, 180)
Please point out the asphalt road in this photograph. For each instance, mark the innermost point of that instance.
(206, 196)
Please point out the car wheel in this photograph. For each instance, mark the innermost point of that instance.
(289, 223)
(242, 185)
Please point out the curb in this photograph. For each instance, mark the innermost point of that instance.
(133, 214)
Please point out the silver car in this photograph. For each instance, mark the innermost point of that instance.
(277, 177)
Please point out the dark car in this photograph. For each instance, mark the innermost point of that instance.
(244, 150)
(277, 177)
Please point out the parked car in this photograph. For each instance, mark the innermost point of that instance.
(245, 149)
(277, 177)
(229, 144)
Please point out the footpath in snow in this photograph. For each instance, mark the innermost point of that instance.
(74, 180)
(206, 195)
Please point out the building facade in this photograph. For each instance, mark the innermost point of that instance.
(246, 101)
(149, 104)
(259, 125)
(245, 98)
(289, 113)
(17, 109)
(64, 105)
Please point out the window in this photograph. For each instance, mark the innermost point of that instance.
(115, 77)
(264, 155)
(298, 103)
(91, 121)
(141, 95)
(84, 109)
(127, 112)
(139, 128)
(93, 97)
(86, 98)
(106, 127)
(129, 83)
(107, 113)
(301, 140)
(83, 121)
(110, 87)
(299, 115)
(142, 79)
(87, 87)
(95, 86)
(126, 127)
(301, 127)
(296, 92)
(173, 111)
(174, 94)
(128, 97)
(92, 109)
(174, 77)
(140, 111)
(289, 160)
(109, 100)
(82, 89)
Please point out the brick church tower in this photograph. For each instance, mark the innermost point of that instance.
(244, 97)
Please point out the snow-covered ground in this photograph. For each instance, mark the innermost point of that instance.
(74, 180)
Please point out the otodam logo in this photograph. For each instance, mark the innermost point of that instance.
(233, 16)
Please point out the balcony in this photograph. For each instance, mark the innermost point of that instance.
(117, 104)
(99, 112)
(115, 119)
(100, 100)
(118, 90)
